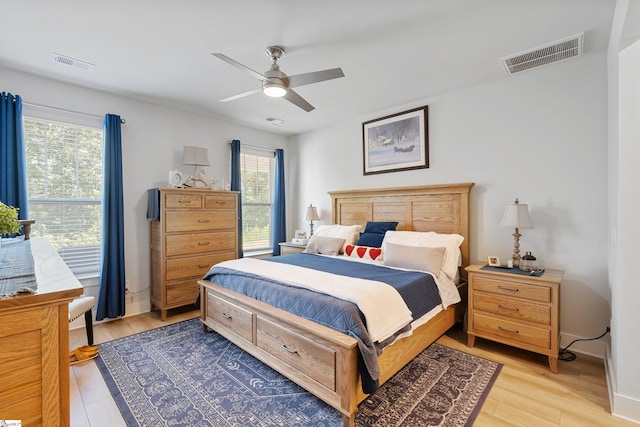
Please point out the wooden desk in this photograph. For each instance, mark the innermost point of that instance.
(34, 343)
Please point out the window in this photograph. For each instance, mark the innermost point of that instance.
(257, 200)
(64, 176)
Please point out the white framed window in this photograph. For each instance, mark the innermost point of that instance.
(64, 180)
(257, 175)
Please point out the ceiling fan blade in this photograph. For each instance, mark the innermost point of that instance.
(239, 66)
(297, 100)
(241, 95)
(315, 77)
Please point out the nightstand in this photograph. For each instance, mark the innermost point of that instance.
(288, 248)
(520, 310)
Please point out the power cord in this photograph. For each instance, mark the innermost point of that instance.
(568, 356)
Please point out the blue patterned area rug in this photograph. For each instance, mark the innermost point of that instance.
(178, 375)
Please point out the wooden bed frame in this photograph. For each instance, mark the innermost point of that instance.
(319, 359)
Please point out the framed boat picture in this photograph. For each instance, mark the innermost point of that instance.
(398, 142)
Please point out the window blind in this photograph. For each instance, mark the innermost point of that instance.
(257, 200)
(64, 174)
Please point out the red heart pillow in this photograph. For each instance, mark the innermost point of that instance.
(374, 253)
(363, 252)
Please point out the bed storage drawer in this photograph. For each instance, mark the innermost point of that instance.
(312, 359)
(233, 317)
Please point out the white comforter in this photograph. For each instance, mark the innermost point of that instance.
(383, 307)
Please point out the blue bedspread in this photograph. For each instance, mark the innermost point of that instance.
(417, 289)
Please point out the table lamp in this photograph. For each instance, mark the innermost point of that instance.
(196, 156)
(312, 215)
(516, 216)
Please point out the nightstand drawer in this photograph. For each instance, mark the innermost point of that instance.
(519, 332)
(514, 289)
(516, 309)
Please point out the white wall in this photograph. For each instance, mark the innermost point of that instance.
(540, 136)
(152, 141)
(625, 231)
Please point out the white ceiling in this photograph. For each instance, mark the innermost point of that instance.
(392, 52)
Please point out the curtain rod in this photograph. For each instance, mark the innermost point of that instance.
(123, 121)
(271, 150)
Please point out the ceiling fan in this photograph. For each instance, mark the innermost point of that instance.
(275, 83)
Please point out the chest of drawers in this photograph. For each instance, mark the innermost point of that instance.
(197, 228)
(515, 309)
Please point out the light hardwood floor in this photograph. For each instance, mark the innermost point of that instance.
(526, 393)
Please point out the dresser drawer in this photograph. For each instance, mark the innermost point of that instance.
(517, 309)
(182, 292)
(514, 289)
(309, 357)
(177, 221)
(189, 244)
(220, 202)
(518, 332)
(195, 266)
(183, 201)
(231, 316)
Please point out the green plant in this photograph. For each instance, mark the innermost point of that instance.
(9, 223)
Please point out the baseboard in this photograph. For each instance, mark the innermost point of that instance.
(624, 407)
(131, 310)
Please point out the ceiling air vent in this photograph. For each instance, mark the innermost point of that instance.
(72, 62)
(543, 55)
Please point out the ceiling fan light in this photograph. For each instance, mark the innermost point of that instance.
(275, 90)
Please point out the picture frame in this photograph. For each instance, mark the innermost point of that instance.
(300, 234)
(494, 261)
(398, 142)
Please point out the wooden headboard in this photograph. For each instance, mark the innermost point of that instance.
(440, 208)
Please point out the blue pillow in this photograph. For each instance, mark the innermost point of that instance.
(373, 240)
(380, 227)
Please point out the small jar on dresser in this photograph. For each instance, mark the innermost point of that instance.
(196, 229)
(517, 309)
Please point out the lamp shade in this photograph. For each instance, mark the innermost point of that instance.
(195, 156)
(312, 214)
(516, 216)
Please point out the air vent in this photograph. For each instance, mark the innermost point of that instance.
(543, 55)
(72, 62)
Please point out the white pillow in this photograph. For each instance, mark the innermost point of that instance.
(349, 233)
(430, 239)
(414, 257)
(324, 245)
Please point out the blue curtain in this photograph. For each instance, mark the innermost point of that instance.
(111, 301)
(279, 225)
(13, 158)
(236, 185)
